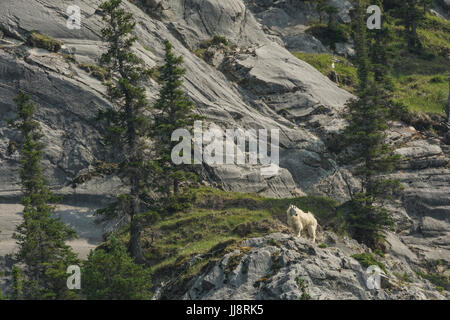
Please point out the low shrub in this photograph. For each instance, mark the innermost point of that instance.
(38, 40)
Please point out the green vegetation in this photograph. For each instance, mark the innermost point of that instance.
(418, 77)
(323, 62)
(96, 71)
(127, 126)
(35, 39)
(328, 34)
(439, 280)
(403, 277)
(215, 41)
(17, 286)
(176, 111)
(111, 274)
(41, 238)
(221, 219)
(421, 78)
(323, 245)
(301, 283)
(368, 259)
(368, 117)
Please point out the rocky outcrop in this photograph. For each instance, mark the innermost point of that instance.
(280, 266)
(286, 21)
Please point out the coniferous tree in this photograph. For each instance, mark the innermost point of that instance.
(111, 274)
(128, 124)
(368, 117)
(360, 41)
(175, 113)
(381, 54)
(448, 101)
(17, 286)
(412, 14)
(321, 8)
(41, 238)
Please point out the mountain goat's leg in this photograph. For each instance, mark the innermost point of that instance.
(312, 232)
(300, 228)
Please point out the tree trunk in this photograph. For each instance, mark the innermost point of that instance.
(448, 102)
(134, 246)
(175, 186)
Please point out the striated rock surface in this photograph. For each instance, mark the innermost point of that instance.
(280, 266)
(254, 84)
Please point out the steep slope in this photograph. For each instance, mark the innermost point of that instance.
(254, 83)
(70, 98)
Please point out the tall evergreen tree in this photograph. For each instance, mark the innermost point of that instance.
(128, 124)
(368, 117)
(360, 41)
(448, 101)
(41, 238)
(175, 113)
(412, 14)
(381, 54)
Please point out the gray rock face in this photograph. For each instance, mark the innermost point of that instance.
(270, 79)
(280, 266)
(255, 84)
(287, 20)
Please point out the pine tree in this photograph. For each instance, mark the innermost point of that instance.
(128, 124)
(360, 40)
(17, 286)
(321, 8)
(412, 14)
(368, 117)
(381, 54)
(175, 113)
(111, 274)
(41, 238)
(448, 101)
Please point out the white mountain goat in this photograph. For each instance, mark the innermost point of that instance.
(299, 220)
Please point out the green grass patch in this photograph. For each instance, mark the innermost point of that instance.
(427, 93)
(419, 78)
(215, 41)
(439, 280)
(323, 62)
(219, 217)
(434, 34)
(329, 35)
(96, 71)
(403, 277)
(368, 259)
(38, 40)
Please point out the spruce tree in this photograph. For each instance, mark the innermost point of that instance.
(368, 117)
(41, 238)
(127, 124)
(381, 54)
(412, 14)
(448, 101)
(17, 286)
(321, 8)
(111, 274)
(176, 112)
